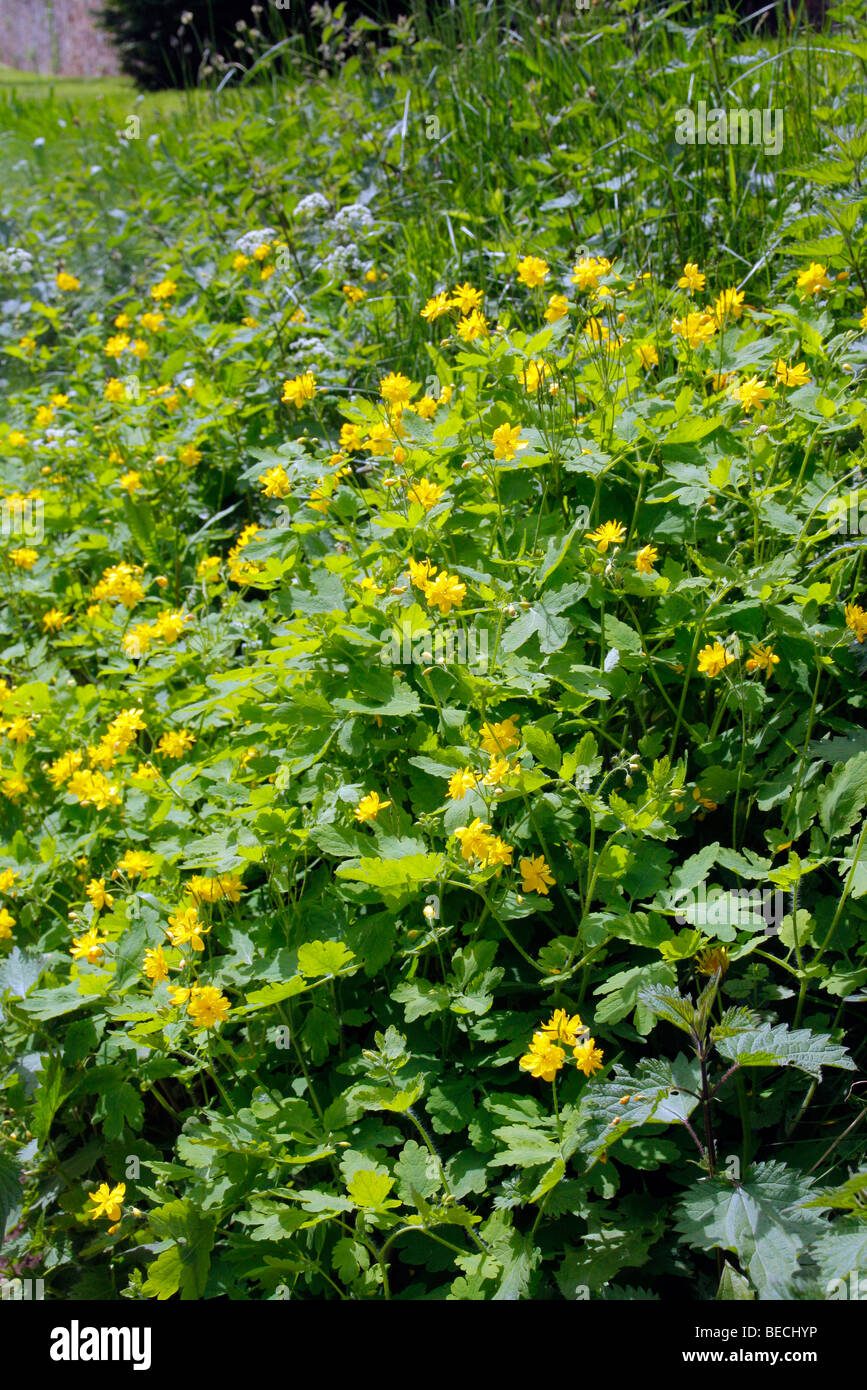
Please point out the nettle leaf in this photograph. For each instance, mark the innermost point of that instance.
(760, 1220)
(738, 1019)
(19, 972)
(843, 796)
(10, 1190)
(733, 1287)
(841, 1250)
(611, 1108)
(778, 1046)
(668, 1003)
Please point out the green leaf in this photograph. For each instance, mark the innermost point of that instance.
(184, 1265)
(370, 1189)
(526, 1147)
(611, 1108)
(49, 1097)
(778, 1046)
(543, 746)
(317, 958)
(843, 796)
(758, 1220)
(668, 1003)
(10, 1190)
(733, 1287)
(393, 874)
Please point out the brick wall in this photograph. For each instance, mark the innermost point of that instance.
(54, 36)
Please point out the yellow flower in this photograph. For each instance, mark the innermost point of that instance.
(96, 891)
(696, 329)
(275, 482)
(751, 393)
(354, 294)
(445, 592)
(474, 840)
(762, 658)
(692, 278)
(646, 559)
(155, 965)
(152, 322)
(466, 298)
(88, 946)
(138, 640)
(587, 271)
(497, 739)
(369, 807)
(67, 282)
(240, 261)
(558, 308)
(461, 782)
(588, 1056)
(609, 533)
(536, 876)
(299, 389)
(117, 345)
(473, 326)
(791, 376)
(185, 929)
(436, 307)
(207, 1006)
(24, 557)
(54, 619)
(130, 482)
(169, 626)
(396, 389)
(114, 390)
(136, 862)
(189, 455)
(262, 252)
(713, 659)
(647, 355)
(498, 771)
(856, 620)
(426, 407)
(43, 417)
(544, 1059)
(164, 290)
(814, 279)
(561, 1027)
(211, 890)
(175, 743)
(107, 1201)
(15, 439)
(19, 730)
(59, 400)
(728, 305)
(533, 375)
(425, 493)
(506, 440)
(7, 922)
(532, 271)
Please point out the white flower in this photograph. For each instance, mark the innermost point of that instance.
(39, 142)
(314, 205)
(15, 261)
(247, 243)
(354, 217)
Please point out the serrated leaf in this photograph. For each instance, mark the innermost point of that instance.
(843, 796)
(778, 1046)
(758, 1220)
